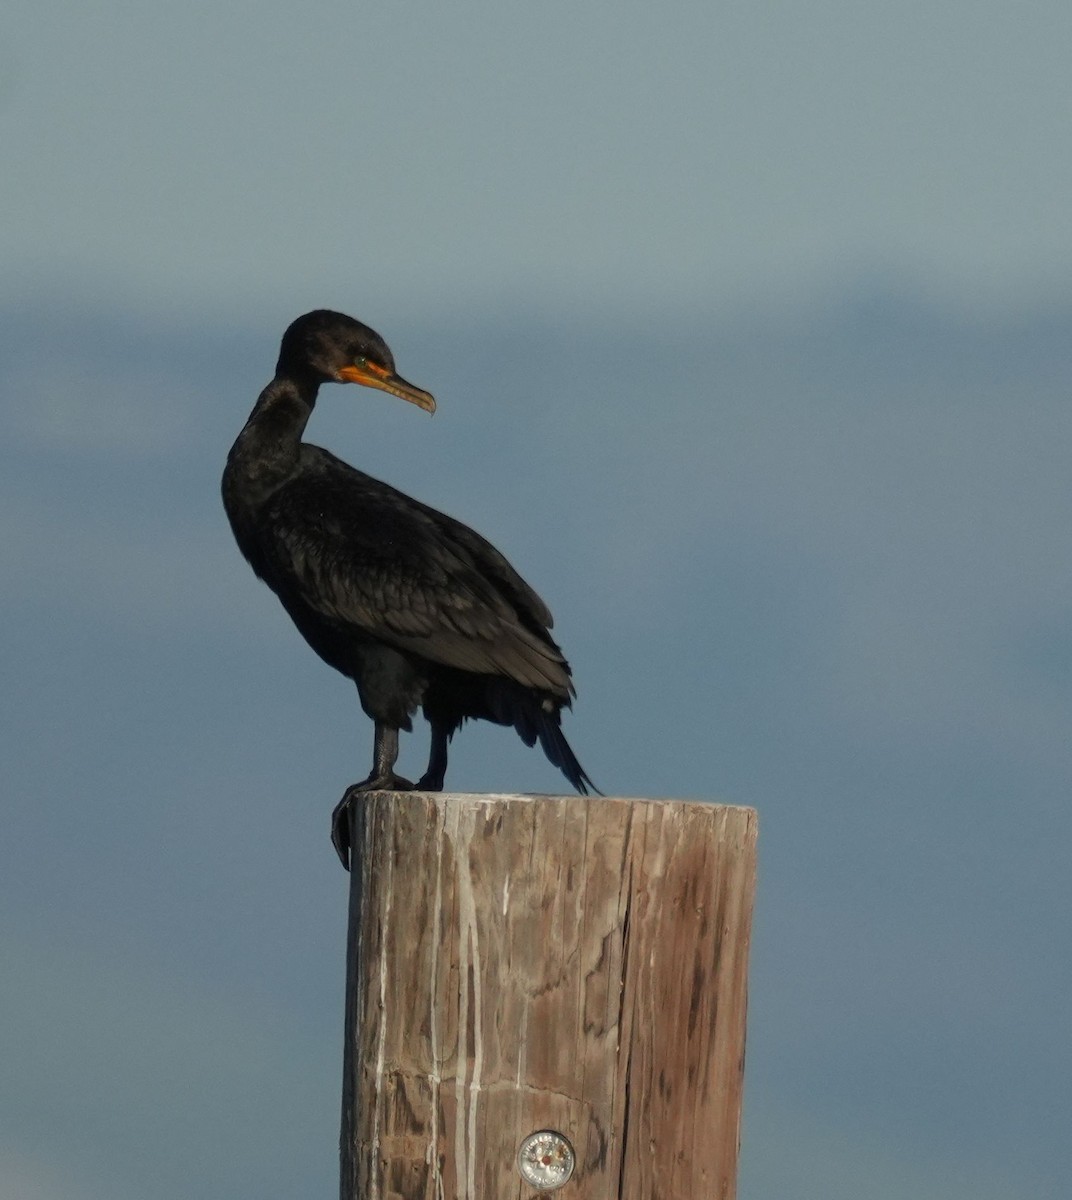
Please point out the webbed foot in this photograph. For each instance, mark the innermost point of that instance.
(342, 823)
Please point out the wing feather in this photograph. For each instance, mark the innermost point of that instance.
(358, 553)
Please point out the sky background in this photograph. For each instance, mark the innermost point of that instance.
(751, 331)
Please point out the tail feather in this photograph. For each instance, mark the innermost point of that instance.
(536, 716)
(560, 753)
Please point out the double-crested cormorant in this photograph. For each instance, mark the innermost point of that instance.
(413, 606)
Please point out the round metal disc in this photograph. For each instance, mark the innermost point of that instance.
(545, 1160)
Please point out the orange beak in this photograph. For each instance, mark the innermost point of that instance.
(370, 374)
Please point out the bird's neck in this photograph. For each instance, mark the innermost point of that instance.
(267, 450)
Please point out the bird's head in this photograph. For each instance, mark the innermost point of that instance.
(334, 348)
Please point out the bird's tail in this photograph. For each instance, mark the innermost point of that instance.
(537, 719)
(558, 750)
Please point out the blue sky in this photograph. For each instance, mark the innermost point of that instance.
(751, 331)
(590, 152)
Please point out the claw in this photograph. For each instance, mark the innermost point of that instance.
(342, 828)
(342, 825)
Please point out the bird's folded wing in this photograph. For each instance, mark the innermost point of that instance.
(372, 558)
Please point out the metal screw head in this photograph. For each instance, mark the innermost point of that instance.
(545, 1160)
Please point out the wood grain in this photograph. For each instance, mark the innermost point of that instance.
(518, 963)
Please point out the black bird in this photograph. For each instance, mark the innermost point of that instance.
(416, 608)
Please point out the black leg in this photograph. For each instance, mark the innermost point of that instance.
(384, 757)
(381, 779)
(432, 779)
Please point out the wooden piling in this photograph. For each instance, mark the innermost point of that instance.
(572, 964)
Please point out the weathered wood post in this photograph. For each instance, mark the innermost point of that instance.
(530, 964)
